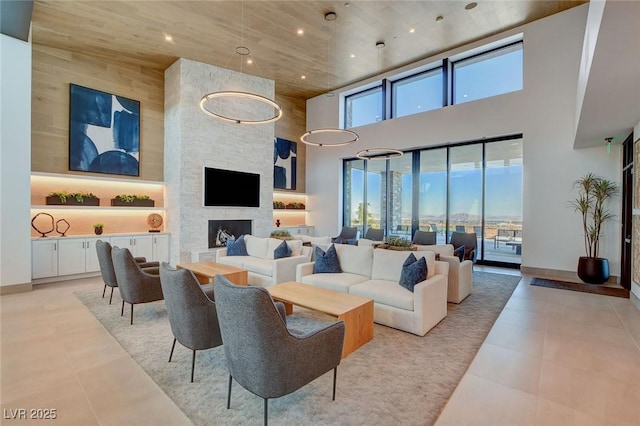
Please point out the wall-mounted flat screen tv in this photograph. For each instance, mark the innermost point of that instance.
(228, 188)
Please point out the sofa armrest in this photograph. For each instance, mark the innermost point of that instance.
(284, 269)
(221, 253)
(430, 301)
(304, 269)
(442, 268)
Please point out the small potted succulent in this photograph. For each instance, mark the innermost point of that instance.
(98, 228)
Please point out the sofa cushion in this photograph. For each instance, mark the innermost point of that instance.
(459, 252)
(283, 250)
(354, 259)
(237, 247)
(387, 264)
(295, 246)
(413, 272)
(338, 282)
(326, 261)
(259, 266)
(384, 292)
(257, 247)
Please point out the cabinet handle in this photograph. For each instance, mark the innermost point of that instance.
(54, 246)
(83, 245)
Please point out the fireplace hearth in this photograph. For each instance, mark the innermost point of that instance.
(221, 231)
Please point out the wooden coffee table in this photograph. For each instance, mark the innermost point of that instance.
(206, 270)
(355, 311)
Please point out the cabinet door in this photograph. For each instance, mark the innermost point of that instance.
(161, 248)
(91, 255)
(44, 258)
(71, 256)
(143, 247)
(123, 242)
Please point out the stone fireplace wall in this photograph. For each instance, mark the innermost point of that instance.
(194, 140)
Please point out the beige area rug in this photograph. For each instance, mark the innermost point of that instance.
(397, 378)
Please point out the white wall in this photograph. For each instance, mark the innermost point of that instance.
(15, 161)
(194, 140)
(544, 111)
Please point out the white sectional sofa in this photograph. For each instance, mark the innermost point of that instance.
(460, 273)
(375, 274)
(263, 269)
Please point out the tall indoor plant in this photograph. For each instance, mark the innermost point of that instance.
(593, 194)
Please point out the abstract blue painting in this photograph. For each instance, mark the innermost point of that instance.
(104, 132)
(285, 156)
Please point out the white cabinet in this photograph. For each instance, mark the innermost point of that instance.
(138, 245)
(160, 248)
(297, 230)
(78, 255)
(44, 258)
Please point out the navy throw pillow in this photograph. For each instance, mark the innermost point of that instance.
(459, 252)
(237, 247)
(413, 271)
(283, 250)
(326, 262)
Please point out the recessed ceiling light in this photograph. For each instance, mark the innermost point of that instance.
(168, 37)
(412, 30)
(439, 18)
(249, 61)
(300, 31)
(471, 5)
(304, 77)
(352, 55)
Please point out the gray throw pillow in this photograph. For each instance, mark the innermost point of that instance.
(283, 250)
(326, 262)
(237, 247)
(413, 271)
(459, 252)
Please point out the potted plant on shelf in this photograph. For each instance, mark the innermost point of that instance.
(593, 194)
(296, 206)
(81, 198)
(98, 228)
(278, 204)
(132, 200)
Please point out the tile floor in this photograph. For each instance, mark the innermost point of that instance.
(553, 357)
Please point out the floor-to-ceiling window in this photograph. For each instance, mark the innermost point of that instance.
(470, 187)
(432, 192)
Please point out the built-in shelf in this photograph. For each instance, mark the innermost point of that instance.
(74, 207)
(291, 217)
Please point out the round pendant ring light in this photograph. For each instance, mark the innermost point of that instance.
(379, 154)
(243, 95)
(348, 137)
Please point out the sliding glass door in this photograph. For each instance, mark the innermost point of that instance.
(432, 192)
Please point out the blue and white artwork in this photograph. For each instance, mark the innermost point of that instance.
(104, 132)
(285, 158)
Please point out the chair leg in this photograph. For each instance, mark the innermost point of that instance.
(193, 364)
(265, 410)
(335, 376)
(103, 290)
(122, 310)
(132, 314)
(229, 393)
(111, 297)
(172, 348)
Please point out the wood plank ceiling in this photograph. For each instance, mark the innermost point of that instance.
(328, 54)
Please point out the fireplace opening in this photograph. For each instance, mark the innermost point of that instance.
(221, 231)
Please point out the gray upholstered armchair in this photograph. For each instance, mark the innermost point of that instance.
(424, 238)
(103, 250)
(192, 314)
(262, 355)
(135, 284)
(348, 235)
(469, 241)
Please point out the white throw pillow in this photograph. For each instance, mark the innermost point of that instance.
(257, 247)
(354, 259)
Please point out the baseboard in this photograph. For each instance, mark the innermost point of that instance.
(15, 288)
(556, 274)
(64, 278)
